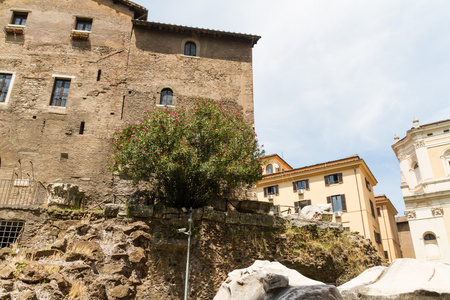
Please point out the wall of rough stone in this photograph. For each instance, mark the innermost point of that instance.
(146, 257)
(43, 142)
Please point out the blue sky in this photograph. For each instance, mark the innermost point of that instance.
(336, 78)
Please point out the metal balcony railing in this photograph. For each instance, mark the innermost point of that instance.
(22, 192)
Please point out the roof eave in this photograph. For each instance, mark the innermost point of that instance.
(186, 29)
(134, 7)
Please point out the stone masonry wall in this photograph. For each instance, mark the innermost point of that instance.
(115, 75)
(126, 258)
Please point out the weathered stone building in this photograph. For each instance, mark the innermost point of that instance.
(71, 71)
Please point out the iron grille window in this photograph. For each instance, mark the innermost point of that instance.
(10, 232)
(60, 92)
(5, 80)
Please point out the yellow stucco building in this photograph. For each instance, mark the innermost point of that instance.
(345, 183)
(386, 213)
(424, 157)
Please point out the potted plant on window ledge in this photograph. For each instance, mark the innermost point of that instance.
(80, 35)
(14, 29)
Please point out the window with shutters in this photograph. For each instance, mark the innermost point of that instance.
(338, 202)
(269, 169)
(377, 237)
(368, 185)
(333, 179)
(271, 190)
(379, 211)
(300, 204)
(60, 92)
(372, 208)
(301, 185)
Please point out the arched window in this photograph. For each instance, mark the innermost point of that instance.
(431, 246)
(190, 49)
(269, 169)
(429, 237)
(166, 97)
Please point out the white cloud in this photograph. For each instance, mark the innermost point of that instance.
(336, 78)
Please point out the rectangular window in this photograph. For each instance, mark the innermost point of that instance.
(19, 18)
(377, 237)
(83, 24)
(300, 204)
(276, 209)
(271, 190)
(333, 179)
(301, 184)
(5, 80)
(338, 202)
(379, 211)
(60, 92)
(386, 255)
(371, 208)
(368, 185)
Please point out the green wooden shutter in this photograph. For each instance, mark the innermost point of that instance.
(307, 184)
(294, 186)
(327, 180)
(265, 192)
(340, 177)
(276, 189)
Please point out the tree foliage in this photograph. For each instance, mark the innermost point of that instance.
(190, 156)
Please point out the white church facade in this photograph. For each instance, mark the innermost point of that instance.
(424, 157)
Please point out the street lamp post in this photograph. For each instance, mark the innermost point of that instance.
(188, 233)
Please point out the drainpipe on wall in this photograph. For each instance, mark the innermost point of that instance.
(360, 206)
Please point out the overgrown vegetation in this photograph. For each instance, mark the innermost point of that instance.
(189, 156)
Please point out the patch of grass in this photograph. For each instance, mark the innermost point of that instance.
(78, 290)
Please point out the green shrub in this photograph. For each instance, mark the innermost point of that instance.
(189, 156)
